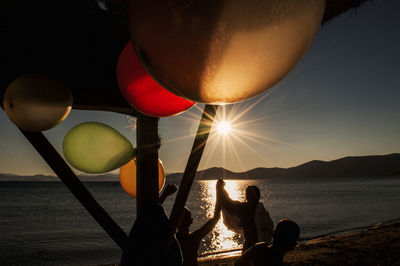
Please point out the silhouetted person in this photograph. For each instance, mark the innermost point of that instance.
(147, 239)
(285, 239)
(251, 217)
(190, 242)
(149, 235)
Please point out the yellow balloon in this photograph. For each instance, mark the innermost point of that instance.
(127, 177)
(94, 147)
(222, 51)
(36, 102)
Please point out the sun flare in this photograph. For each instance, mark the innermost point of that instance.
(224, 128)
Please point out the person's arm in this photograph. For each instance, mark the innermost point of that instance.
(249, 257)
(209, 225)
(206, 228)
(169, 190)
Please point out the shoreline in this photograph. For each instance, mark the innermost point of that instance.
(348, 230)
(377, 244)
(307, 239)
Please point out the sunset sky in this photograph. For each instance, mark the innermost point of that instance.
(343, 99)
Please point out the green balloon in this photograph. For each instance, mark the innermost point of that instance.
(96, 148)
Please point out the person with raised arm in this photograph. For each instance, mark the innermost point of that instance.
(249, 217)
(190, 242)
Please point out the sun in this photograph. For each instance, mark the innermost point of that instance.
(224, 128)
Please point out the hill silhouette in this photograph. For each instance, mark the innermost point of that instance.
(352, 166)
(108, 177)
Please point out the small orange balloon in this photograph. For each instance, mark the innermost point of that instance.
(127, 177)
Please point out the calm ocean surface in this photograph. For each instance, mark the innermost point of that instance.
(43, 224)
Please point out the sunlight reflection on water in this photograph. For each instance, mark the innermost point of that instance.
(318, 206)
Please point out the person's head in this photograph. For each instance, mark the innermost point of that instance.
(286, 235)
(186, 219)
(252, 194)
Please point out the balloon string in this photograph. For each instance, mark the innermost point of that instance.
(199, 144)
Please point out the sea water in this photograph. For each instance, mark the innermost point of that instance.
(43, 224)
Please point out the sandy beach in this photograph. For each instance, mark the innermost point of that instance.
(376, 245)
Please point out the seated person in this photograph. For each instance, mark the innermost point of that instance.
(285, 239)
(147, 240)
(151, 230)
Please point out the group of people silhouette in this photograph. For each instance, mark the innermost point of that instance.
(263, 245)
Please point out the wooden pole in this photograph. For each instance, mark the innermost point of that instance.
(68, 177)
(148, 144)
(191, 167)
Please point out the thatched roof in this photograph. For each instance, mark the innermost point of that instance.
(78, 43)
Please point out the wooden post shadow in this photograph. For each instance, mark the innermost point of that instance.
(191, 167)
(68, 177)
(148, 143)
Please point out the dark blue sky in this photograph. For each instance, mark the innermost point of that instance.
(342, 99)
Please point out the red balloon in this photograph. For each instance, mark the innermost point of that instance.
(142, 91)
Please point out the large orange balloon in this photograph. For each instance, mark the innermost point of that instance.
(222, 51)
(36, 102)
(142, 91)
(127, 177)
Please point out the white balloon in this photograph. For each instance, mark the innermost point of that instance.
(36, 102)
